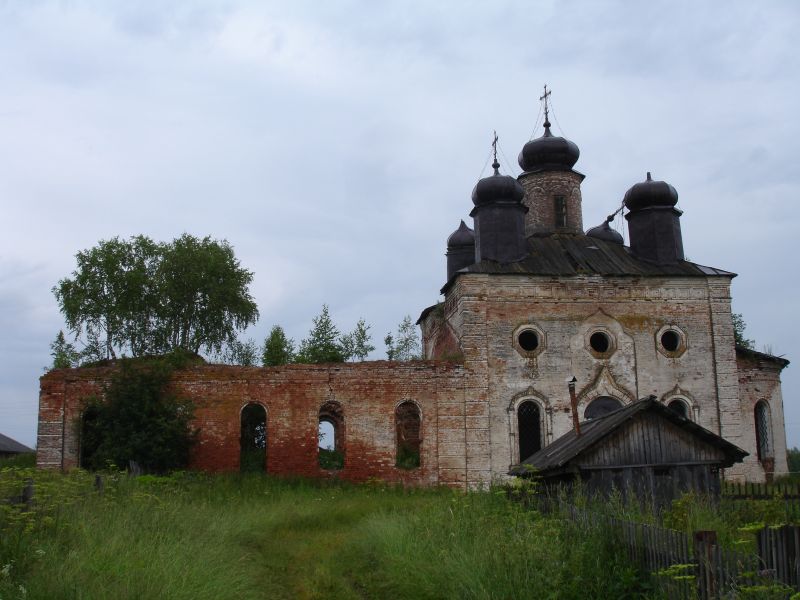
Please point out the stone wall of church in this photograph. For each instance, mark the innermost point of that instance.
(368, 394)
(759, 381)
(540, 190)
(487, 314)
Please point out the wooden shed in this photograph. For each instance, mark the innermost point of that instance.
(645, 448)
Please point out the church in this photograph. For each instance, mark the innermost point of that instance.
(542, 322)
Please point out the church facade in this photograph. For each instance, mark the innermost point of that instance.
(535, 310)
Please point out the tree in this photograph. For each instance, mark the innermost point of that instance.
(356, 344)
(738, 332)
(323, 344)
(203, 294)
(240, 353)
(64, 354)
(141, 297)
(406, 345)
(389, 342)
(278, 349)
(110, 295)
(138, 420)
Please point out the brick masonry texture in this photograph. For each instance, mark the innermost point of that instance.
(292, 396)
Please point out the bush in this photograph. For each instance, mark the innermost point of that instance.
(139, 420)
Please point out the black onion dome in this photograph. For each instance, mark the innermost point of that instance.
(463, 236)
(497, 187)
(650, 193)
(549, 153)
(605, 232)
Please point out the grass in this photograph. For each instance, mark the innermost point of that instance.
(251, 536)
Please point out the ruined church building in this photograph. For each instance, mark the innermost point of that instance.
(530, 301)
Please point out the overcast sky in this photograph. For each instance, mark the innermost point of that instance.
(335, 145)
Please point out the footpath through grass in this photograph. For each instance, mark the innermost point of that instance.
(201, 536)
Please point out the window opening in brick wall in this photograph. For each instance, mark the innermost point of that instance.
(680, 407)
(600, 406)
(89, 439)
(331, 425)
(529, 426)
(600, 342)
(671, 340)
(253, 439)
(528, 340)
(408, 425)
(763, 432)
(560, 211)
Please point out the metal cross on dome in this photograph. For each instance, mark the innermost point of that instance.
(544, 98)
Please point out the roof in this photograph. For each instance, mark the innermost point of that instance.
(9, 446)
(750, 353)
(569, 446)
(573, 254)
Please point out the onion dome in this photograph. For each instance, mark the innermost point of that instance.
(650, 193)
(497, 188)
(605, 232)
(463, 236)
(549, 153)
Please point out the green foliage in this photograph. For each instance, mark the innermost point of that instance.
(323, 344)
(64, 354)
(793, 459)
(22, 461)
(405, 345)
(331, 460)
(144, 297)
(407, 457)
(278, 349)
(138, 420)
(356, 344)
(236, 352)
(738, 332)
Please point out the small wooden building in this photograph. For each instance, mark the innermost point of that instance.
(9, 447)
(644, 448)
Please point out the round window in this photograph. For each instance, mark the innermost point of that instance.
(600, 342)
(670, 340)
(528, 340)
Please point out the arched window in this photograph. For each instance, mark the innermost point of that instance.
(529, 428)
(407, 424)
(253, 439)
(601, 406)
(331, 436)
(90, 438)
(763, 431)
(679, 406)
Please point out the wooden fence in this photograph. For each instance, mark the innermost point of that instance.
(683, 566)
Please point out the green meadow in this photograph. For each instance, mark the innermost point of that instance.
(197, 536)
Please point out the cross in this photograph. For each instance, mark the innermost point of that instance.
(544, 97)
(494, 146)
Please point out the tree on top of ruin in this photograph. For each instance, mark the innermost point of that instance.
(141, 297)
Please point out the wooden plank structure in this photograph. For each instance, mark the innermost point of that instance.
(644, 447)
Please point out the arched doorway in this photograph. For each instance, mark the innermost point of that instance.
(601, 406)
(330, 436)
(408, 424)
(529, 429)
(253, 439)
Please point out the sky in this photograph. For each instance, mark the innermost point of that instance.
(335, 145)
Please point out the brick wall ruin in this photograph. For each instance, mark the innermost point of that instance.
(368, 394)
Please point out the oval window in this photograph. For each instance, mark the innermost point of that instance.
(670, 340)
(528, 340)
(600, 342)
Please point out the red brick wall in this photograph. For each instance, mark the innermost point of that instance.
(292, 396)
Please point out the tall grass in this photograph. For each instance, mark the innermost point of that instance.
(250, 536)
